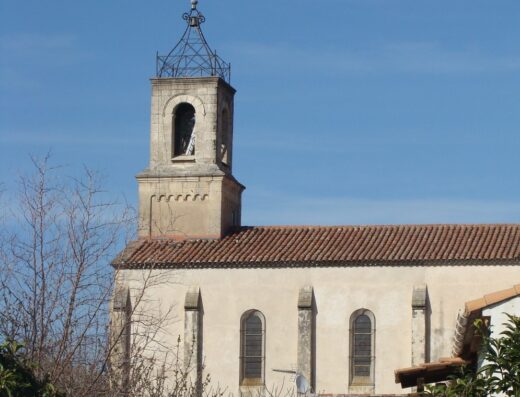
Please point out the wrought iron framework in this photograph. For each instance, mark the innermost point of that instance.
(192, 56)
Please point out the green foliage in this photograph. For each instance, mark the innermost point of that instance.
(17, 375)
(464, 384)
(502, 357)
(500, 373)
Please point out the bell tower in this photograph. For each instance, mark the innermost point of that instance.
(188, 189)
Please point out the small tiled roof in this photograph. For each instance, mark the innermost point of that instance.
(329, 246)
(430, 372)
(491, 299)
(464, 344)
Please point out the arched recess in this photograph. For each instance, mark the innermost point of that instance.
(362, 348)
(168, 119)
(174, 101)
(183, 131)
(252, 348)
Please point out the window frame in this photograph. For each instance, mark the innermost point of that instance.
(244, 381)
(362, 380)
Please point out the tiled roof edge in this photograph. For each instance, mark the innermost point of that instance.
(491, 299)
(126, 253)
(303, 264)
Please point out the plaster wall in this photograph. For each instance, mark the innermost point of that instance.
(385, 290)
(497, 314)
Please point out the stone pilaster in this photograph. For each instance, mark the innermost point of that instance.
(193, 314)
(306, 334)
(120, 340)
(419, 324)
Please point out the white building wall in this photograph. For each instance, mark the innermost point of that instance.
(386, 291)
(497, 314)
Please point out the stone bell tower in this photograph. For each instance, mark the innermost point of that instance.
(188, 190)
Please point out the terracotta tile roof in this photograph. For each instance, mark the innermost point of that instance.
(491, 299)
(465, 343)
(332, 245)
(430, 372)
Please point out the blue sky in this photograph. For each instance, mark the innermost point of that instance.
(347, 111)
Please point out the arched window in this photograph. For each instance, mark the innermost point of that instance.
(252, 348)
(362, 347)
(225, 137)
(183, 135)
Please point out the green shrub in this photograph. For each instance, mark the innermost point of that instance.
(17, 375)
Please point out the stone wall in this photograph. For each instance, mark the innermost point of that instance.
(189, 195)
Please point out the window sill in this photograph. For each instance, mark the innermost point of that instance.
(183, 158)
(362, 381)
(359, 388)
(252, 382)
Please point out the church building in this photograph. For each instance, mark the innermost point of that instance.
(336, 308)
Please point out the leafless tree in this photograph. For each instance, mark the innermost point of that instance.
(55, 280)
(60, 236)
(57, 239)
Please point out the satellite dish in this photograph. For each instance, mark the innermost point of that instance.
(302, 384)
